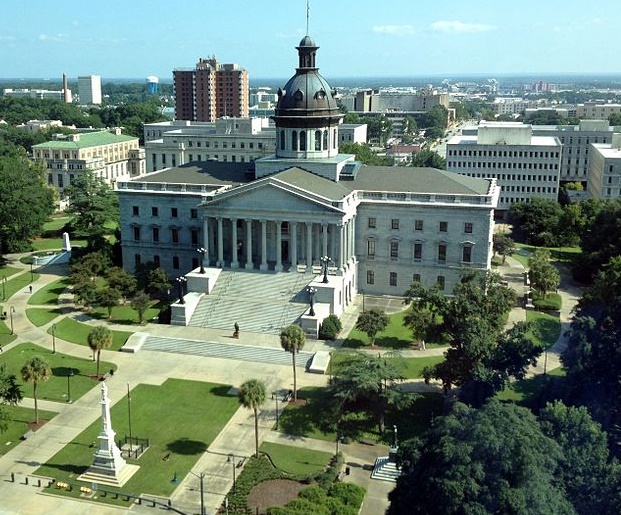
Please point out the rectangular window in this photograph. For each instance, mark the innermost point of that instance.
(394, 249)
(466, 254)
(175, 235)
(136, 233)
(442, 253)
(176, 262)
(154, 211)
(418, 251)
(156, 234)
(193, 213)
(443, 226)
(156, 261)
(173, 212)
(418, 225)
(370, 277)
(137, 260)
(441, 282)
(194, 237)
(394, 223)
(135, 210)
(416, 278)
(393, 278)
(372, 223)
(371, 248)
(468, 227)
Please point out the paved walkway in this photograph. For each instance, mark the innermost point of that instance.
(154, 367)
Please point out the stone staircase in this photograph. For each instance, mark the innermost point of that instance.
(260, 302)
(271, 355)
(385, 470)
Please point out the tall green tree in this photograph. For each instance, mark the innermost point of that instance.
(428, 159)
(481, 461)
(364, 154)
(99, 338)
(503, 245)
(141, 303)
(94, 204)
(120, 280)
(10, 395)
(109, 298)
(35, 371)
(292, 339)
(537, 221)
(252, 395)
(379, 128)
(371, 322)
(26, 203)
(543, 275)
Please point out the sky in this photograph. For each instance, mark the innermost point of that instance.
(393, 38)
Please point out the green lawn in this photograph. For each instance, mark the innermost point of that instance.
(296, 460)
(125, 314)
(546, 328)
(56, 223)
(7, 271)
(180, 419)
(560, 254)
(5, 327)
(41, 316)
(17, 284)
(527, 390)
(19, 426)
(55, 388)
(49, 294)
(412, 368)
(396, 335)
(54, 243)
(73, 331)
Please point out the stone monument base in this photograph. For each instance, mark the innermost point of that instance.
(94, 476)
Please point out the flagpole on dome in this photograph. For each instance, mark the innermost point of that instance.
(307, 15)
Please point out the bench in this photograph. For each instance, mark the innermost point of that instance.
(28, 434)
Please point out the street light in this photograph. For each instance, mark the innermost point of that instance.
(180, 282)
(311, 293)
(69, 375)
(394, 430)
(275, 397)
(202, 251)
(231, 459)
(324, 262)
(54, 339)
(11, 311)
(201, 476)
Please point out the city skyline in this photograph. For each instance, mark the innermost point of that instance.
(139, 38)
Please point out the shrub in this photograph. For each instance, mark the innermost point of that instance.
(326, 478)
(330, 327)
(314, 494)
(552, 302)
(336, 507)
(348, 493)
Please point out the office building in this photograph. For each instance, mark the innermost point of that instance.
(89, 89)
(605, 170)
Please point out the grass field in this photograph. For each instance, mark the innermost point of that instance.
(296, 460)
(7, 271)
(180, 419)
(412, 368)
(73, 331)
(525, 390)
(17, 283)
(54, 244)
(6, 335)
(560, 254)
(19, 426)
(124, 314)
(41, 316)
(55, 388)
(49, 294)
(546, 328)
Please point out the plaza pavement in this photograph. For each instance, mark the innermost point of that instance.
(236, 438)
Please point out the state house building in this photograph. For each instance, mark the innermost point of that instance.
(380, 227)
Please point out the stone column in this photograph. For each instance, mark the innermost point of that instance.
(278, 267)
(333, 250)
(206, 244)
(324, 239)
(263, 245)
(293, 251)
(248, 244)
(309, 244)
(352, 254)
(341, 245)
(234, 261)
(220, 262)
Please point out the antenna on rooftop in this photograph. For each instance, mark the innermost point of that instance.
(307, 15)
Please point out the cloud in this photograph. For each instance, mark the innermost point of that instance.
(460, 27)
(54, 38)
(394, 30)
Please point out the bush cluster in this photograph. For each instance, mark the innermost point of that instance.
(330, 328)
(552, 302)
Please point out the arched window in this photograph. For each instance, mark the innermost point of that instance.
(302, 140)
(325, 140)
(317, 140)
(294, 140)
(282, 140)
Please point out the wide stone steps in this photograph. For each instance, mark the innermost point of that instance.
(270, 355)
(258, 302)
(385, 470)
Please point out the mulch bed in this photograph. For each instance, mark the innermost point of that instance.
(33, 426)
(275, 492)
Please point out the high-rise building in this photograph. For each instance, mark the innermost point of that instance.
(210, 90)
(89, 89)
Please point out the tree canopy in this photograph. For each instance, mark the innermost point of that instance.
(99, 338)
(428, 159)
(252, 395)
(364, 154)
(292, 339)
(371, 322)
(35, 371)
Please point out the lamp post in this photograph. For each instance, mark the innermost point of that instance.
(129, 417)
(324, 262)
(202, 251)
(231, 459)
(11, 311)
(69, 375)
(311, 293)
(180, 282)
(275, 397)
(201, 476)
(31, 273)
(54, 339)
(394, 430)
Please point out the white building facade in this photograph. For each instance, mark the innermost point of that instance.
(89, 89)
(605, 170)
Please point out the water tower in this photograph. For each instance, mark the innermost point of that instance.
(152, 82)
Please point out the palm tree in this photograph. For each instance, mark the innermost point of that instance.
(252, 395)
(34, 371)
(99, 338)
(292, 339)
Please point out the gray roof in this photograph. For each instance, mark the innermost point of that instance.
(316, 184)
(417, 180)
(203, 172)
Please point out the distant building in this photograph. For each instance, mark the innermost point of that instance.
(39, 125)
(605, 170)
(597, 110)
(211, 90)
(33, 93)
(110, 155)
(89, 89)
(402, 154)
(512, 106)
(525, 166)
